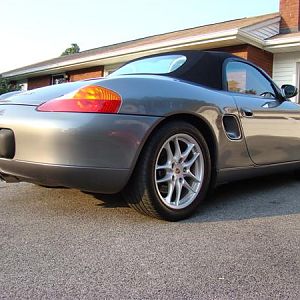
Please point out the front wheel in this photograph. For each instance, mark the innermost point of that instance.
(173, 173)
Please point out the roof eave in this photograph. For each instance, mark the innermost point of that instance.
(250, 39)
(205, 41)
(212, 40)
(283, 44)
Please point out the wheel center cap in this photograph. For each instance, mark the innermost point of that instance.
(177, 171)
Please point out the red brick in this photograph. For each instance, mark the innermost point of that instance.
(261, 58)
(36, 82)
(290, 16)
(258, 56)
(240, 50)
(81, 74)
(86, 73)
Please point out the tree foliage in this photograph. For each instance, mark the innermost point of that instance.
(6, 86)
(71, 50)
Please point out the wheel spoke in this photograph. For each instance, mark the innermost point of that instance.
(188, 150)
(189, 163)
(167, 178)
(191, 175)
(171, 187)
(167, 166)
(186, 185)
(170, 155)
(178, 186)
(177, 149)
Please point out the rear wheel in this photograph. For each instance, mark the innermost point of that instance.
(173, 174)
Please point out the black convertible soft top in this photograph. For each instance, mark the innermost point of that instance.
(202, 67)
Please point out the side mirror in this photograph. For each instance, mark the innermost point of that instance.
(289, 91)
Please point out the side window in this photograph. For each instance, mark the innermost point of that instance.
(245, 79)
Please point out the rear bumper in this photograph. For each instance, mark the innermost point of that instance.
(101, 180)
(91, 152)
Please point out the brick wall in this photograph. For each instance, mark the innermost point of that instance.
(37, 82)
(261, 58)
(240, 50)
(290, 16)
(258, 56)
(85, 73)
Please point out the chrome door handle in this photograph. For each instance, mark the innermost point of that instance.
(246, 112)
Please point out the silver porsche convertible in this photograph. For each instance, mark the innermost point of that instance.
(161, 131)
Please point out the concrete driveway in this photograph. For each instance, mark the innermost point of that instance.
(243, 244)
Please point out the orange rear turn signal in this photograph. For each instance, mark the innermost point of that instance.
(93, 99)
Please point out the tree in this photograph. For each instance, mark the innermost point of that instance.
(71, 50)
(6, 86)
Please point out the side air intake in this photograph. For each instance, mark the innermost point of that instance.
(232, 127)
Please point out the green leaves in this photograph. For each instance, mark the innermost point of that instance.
(6, 86)
(71, 50)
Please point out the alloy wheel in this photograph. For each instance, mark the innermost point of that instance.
(179, 171)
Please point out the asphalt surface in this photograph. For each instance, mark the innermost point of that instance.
(63, 244)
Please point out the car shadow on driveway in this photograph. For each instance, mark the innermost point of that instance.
(275, 195)
(110, 201)
(268, 196)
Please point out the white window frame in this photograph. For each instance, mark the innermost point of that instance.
(23, 84)
(60, 74)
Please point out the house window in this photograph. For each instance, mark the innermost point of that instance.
(59, 78)
(23, 84)
(108, 69)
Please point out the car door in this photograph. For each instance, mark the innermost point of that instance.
(271, 125)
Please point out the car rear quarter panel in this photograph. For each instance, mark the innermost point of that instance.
(166, 97)
(75, 139)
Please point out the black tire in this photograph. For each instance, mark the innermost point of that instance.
(142, 192)
(297, 174)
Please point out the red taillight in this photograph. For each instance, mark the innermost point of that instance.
(94, 99)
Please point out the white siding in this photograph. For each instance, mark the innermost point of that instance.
(285, 68)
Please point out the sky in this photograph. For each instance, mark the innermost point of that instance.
(36, 30)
